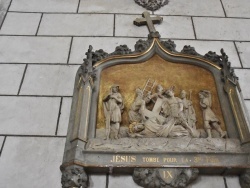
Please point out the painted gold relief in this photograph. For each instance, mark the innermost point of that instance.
(190, 78)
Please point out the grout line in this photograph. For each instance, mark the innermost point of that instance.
(59, 114)
(59, 64)
(24, 72)
(238, 54)
(71, 64)
(193, 28)
(74, 13)
(53, 96)
(77, 10)
(206, 16)
(133, 37)
(243, 68)
(71, 41)
(54, 36)
(223, 8)
(107, 180)
(39, 136)
(114, 25)
(225, 182)
(39, 24)
(68, 36)
(5, 15)
(1, 63)
(1, 150)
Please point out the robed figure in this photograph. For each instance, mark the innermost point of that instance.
(113, 108)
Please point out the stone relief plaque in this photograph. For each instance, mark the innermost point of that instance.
(160, 115)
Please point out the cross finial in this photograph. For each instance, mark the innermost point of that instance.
(150, 21)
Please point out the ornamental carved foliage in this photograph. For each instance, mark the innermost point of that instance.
(187, 49)
(86, 70)
(74, 176)
(245, 179)
(169, 45)
(121, 50)
(165, 178)
(152, 5)
(99, 55)
(212, 56)
(142, 45)
(227, 72)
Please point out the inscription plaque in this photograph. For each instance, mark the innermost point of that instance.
(160, 115)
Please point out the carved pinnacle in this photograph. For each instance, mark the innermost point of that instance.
(149, 21)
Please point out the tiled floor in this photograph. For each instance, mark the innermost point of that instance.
(42, 43)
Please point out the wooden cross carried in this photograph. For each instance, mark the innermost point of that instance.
(149, 21)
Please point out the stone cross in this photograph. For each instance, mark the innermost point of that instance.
(149, 21)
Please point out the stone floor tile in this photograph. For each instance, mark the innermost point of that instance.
(77, 24)
(103, 6)
(10, 78)
(233, 182)
(192, 8)
(171, 27)
(31, 162)
(34, 49)
(49, 80)
(28, 115)
(97, 181)
(64, 117)
(244, 51)
(239, 8)
(80, 45)
(244, 78)
(202, 47)
(4, 4)
(222, 28)
(122, 181)
(20, 23)
(208, 181)
(44, 5)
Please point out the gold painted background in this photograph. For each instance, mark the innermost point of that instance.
(182, 76)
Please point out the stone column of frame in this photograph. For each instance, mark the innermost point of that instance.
(72, 174)
(233, 89)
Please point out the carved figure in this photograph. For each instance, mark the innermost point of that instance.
(135, 129)
(169, 121)
(210, 119)
(188, 109)
(172, 109)
(159, 92)
(113, 107)
(134, 114)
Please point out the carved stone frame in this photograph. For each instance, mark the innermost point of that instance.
(82, 122)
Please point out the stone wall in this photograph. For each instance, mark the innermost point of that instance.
(43, 42)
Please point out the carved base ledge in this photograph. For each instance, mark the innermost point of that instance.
(165, 177)
(74, 176)
(245, 179)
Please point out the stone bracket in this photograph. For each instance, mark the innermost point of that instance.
(164, 177)
(74, 176)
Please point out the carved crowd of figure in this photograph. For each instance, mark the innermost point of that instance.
(170, 116)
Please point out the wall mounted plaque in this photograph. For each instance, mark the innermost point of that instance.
(160, 115)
